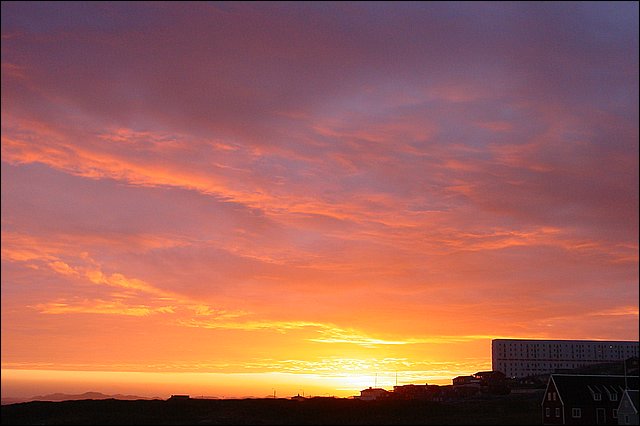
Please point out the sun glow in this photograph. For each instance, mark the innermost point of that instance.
(27, 383)
(310, 214)
(347, 377)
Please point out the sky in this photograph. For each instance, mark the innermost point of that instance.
(236, 199)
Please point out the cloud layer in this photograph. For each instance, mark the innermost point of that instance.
(379, 180)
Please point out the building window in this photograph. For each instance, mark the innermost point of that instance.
(597, 397)
(547, 413)
(626, 418)
(615, 413)
(576, 413)
(549, 396)
(614, 396)
(557, 412)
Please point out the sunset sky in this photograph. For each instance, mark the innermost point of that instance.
(233, 199)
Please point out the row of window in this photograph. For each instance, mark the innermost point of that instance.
(543, 365)
(627, 349)
(564, 344)
(508, 367)
(568, 354)
(597, 393)
(576, 413)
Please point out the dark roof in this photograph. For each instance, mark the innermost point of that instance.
(634, 396)
(411, 385)
(579, 389)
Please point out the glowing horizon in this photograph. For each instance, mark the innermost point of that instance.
(283, 195)
(30, 383)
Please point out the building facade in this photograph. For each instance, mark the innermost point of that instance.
(522, 358)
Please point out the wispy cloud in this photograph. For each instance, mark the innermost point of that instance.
(296, 200)
(100, 307)
(328, 333)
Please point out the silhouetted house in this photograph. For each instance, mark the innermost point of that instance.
(298, 398)
(493, 382)
(179, 398)
(410, 391)
(628, 408)
(583, 400)
(426, 392)
(468, 381)
(488, 377)
(372, 394)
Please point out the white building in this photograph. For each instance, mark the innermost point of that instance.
(521, 358)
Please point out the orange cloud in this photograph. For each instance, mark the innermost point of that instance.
(100, 307)
(327, 210)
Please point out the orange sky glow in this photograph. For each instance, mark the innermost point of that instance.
(232, 199)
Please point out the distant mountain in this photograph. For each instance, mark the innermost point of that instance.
(70, 397)
(12, 400)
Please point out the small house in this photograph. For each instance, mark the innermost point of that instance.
(628, 408)
(372, 394)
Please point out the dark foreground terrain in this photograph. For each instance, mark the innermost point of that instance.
(510, 409)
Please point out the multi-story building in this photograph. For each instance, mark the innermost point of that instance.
(522, 358)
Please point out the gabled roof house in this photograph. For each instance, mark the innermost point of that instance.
(581, 399)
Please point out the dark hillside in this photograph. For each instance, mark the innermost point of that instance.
(511, 409)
